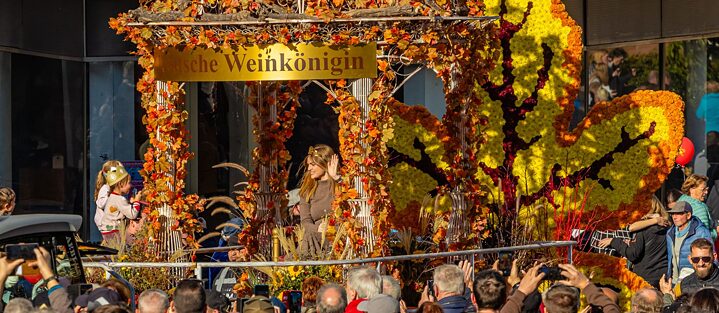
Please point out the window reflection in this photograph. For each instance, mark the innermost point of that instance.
(48, 134)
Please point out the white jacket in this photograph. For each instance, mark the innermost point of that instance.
(116, 210)
(102, 196)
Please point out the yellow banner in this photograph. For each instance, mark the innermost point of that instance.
(272, 62)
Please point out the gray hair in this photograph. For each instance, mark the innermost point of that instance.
(449, 278)
(18, 305)
(647, 300)
(390, 287)
(365, 281)
(153, 301)
(329, 304)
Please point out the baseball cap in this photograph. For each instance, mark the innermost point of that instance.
(380, 303)
(681, 207)
(230, 231)
(258, 304)
(216, 300)
(98, 297)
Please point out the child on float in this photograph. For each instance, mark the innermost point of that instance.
(102, 190)
(118, 210)
(7, 201)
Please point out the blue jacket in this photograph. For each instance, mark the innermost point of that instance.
(701, 211)
(708, 111)
(696, 231)
(454, 304)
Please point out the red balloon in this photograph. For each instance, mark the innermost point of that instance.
(686, 152)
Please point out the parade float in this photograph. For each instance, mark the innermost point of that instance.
(502, 166)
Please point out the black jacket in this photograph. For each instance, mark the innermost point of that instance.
(692, 283)
(648, 253)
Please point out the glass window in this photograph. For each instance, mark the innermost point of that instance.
(692, 68)
(48, 134)
(619, 71)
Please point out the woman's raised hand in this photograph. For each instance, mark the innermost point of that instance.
(333, 168)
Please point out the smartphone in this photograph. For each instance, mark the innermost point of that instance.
(430, 287)
(505, 263)
(262, 290)
(293, 300)
(552, 273)
(21, 251)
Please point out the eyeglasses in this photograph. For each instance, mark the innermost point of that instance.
(705, 259)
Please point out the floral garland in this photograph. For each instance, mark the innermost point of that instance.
(351, 151)
(168, 154)
(365, 156)
(270, 152)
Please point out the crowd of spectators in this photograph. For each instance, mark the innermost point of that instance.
(455, 289)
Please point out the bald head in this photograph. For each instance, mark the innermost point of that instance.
(647, 300)
(153, 301)
(331, 298)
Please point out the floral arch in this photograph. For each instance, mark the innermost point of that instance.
(425, 32)
(503, 152)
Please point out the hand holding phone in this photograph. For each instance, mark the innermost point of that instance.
(430, 287)
(295, 301)
(262, 290)
(505, 263)
(552, 273)
(18, 251)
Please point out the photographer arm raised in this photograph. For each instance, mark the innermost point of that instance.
(594, 295)
(527, 285)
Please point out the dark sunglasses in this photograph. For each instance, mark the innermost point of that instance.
(705, 259)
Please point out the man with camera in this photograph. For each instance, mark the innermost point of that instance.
(564, 295)
(448, 288)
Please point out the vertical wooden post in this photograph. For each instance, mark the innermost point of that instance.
(361, 90)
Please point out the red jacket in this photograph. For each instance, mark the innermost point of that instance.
(352, 306)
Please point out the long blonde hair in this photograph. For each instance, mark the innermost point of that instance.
(100, 181)
(7, 196)
(657, 208)
(320, 155)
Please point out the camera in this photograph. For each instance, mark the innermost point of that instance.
(293, 300)
(552, 273)
(262, 290)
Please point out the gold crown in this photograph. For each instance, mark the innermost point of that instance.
(314, 152)
(114, 175)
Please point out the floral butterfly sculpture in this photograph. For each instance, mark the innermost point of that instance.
(536, 171)
(614, 159)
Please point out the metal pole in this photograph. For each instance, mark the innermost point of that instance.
(541, 245)
(303, 21)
